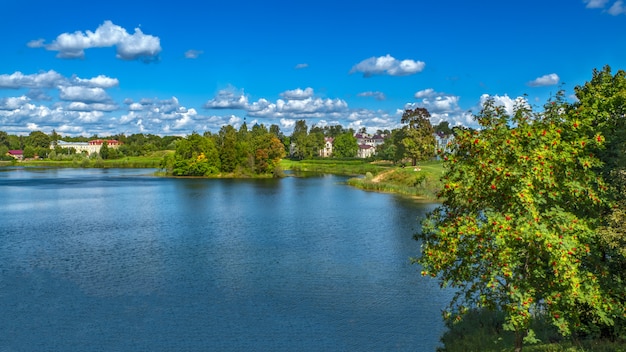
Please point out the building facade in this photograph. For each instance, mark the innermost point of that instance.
(90, 147)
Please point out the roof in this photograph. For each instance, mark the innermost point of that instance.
(16, 152)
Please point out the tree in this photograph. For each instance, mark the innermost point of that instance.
(417, 138)
(29, 152)
(521, 203)
(195, 155)
(345, 146)
(602, 105)
(4, 139)
(227, 145)
(443, 128)
(104, 150)
(299, 139)
(38, 139)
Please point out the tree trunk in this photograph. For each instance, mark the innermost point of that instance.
(519, 340)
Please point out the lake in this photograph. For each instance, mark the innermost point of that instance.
(119, 260)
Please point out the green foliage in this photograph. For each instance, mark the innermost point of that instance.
(29, 152)
(416, 139)
(481, 330)
(104, 150)
(345, 146)
(521, 203)
(601, 106)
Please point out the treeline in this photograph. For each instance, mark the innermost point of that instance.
(38, 143)
(242, 152)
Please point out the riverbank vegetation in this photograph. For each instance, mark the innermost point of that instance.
(531, 225)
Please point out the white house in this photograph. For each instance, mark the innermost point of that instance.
(327, 151)
(90, 147)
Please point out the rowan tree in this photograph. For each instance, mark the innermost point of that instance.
(602, 105)
(520, 205)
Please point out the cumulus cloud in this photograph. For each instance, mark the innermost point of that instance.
(595, 4)
(545, 80)
(388, 65)
(375, 94)
(13, 103)
(425, 93)
(297, 94)
(193, 54)
(82, 106)
(128, 46)
(19, 80)
(100, 81)
(301, 66)
(300, 109)
(505, 101)
(617, 8)
(295, 104)
(229, 98)
(83, 94)
(442, 107)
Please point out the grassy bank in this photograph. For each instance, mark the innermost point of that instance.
(348, 167)
(150, 161)
(481, 330)
(421, 181)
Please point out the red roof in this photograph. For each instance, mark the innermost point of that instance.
(16, 152)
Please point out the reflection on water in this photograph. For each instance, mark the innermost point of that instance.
(94, 260)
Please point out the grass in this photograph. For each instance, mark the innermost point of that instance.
(421, 181)
(348, 167)
(149, 161)
(481, 330)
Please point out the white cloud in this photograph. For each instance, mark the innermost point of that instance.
(545, 80)
(100, 81)
(193, 54)
(297, 94)
(13, 103)
(18, 80)
(83, 94)
(129, 46)
(617, 8)
(185, 120)
(229, 98)
(425, 93)
(300, 109)
(81, 106)
(301, 66)
(388, 65)
(595, 4)
(505, 101)
(375, 94)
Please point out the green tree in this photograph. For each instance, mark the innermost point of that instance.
(29, 152)
(601, 107)
(417, 138)
(443, 128)
(388, 150)
(38, 139)
(521, 203)
(345, 146)
(227, 146)
(104, 150)
(4, 139)
(195, 155)
(299, 139)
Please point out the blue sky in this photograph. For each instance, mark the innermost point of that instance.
(170, 68)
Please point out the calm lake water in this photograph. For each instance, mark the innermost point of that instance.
(118, 260)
